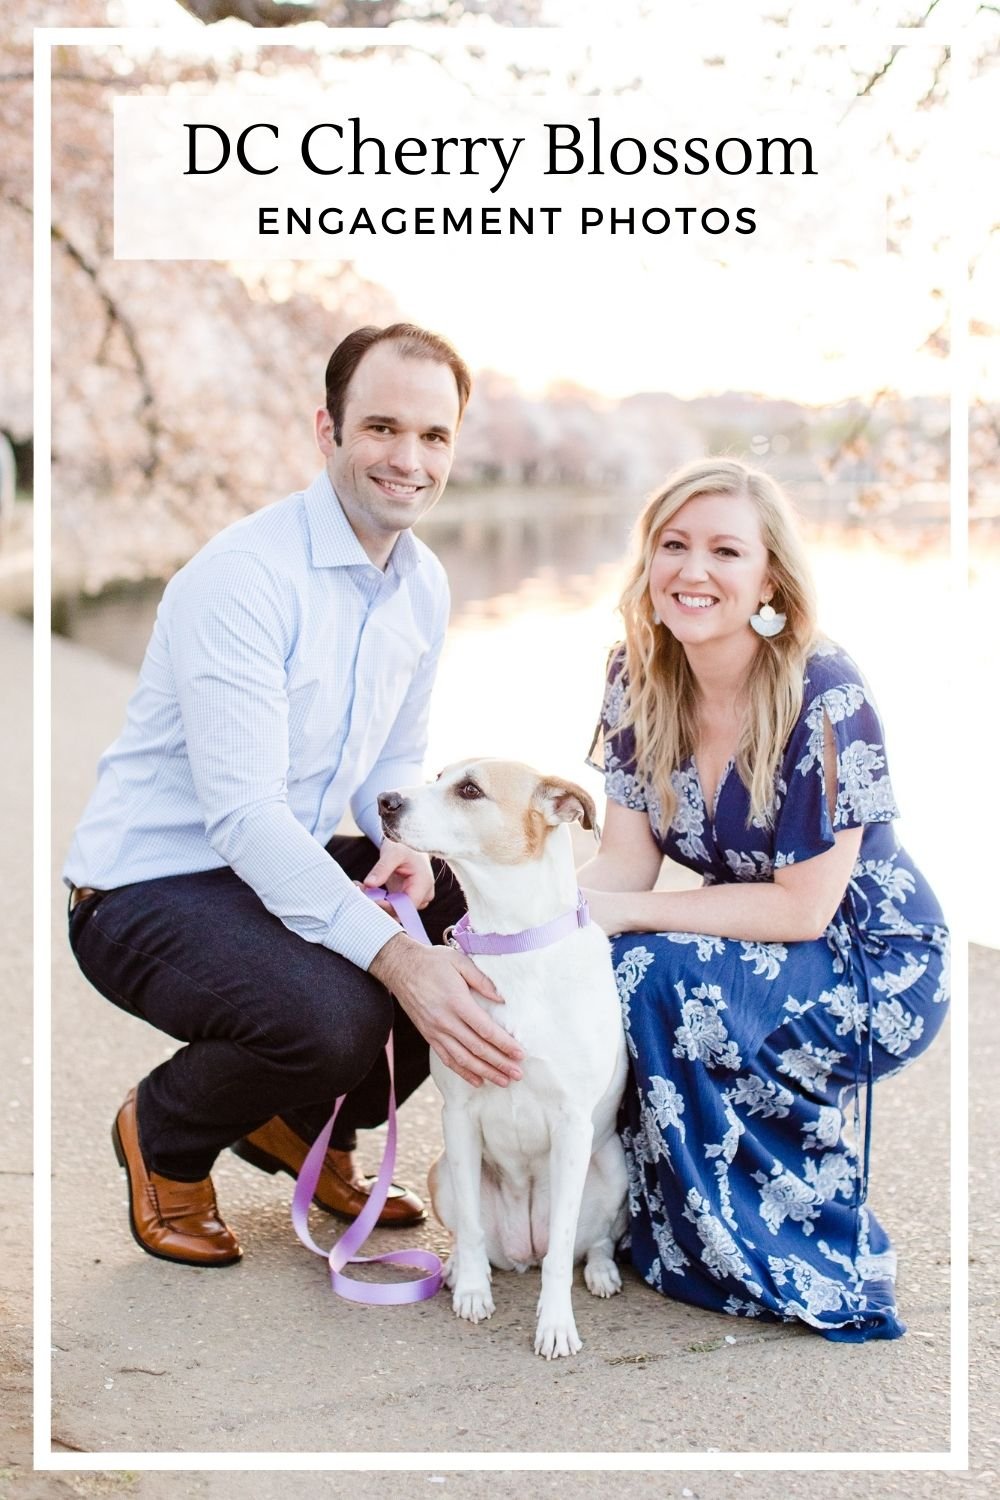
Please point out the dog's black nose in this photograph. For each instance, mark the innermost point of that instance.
(389, 802)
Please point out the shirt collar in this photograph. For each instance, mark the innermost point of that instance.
(332, 543)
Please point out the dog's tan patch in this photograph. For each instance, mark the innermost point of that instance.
(536, 831)
(511, 786)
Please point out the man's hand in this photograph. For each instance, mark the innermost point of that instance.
(432, 985)
(403, 869)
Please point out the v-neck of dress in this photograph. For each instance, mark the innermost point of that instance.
(712, 808)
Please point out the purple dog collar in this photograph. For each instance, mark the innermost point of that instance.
(496, 943)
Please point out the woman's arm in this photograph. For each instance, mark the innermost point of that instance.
(797, 905)
(628, 859)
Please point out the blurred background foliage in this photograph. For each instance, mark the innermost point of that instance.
(182, 391)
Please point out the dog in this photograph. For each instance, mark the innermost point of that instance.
(533, 1173)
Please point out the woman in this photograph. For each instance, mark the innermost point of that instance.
(811, 962)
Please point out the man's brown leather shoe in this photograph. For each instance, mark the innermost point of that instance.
(276, 1148)
(172, 1220)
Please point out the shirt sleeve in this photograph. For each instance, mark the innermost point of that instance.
(233, 626)
(803, 825)
(612, 750)
(402, 761)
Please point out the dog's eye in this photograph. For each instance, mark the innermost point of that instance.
(469, 790)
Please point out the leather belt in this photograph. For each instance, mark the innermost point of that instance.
(81, 893)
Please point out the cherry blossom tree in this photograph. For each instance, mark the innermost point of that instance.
(181, 391)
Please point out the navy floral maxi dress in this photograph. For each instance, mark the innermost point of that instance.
(746, 1195)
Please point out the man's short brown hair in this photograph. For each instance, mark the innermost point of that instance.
(411, 341)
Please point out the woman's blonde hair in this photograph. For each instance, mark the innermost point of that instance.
(662, 702)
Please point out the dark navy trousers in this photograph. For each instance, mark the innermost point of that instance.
(272, 1024)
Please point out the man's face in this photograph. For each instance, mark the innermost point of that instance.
(400, 420)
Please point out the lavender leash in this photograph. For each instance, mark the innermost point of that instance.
(379, 1294)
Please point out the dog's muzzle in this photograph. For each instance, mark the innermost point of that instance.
(390, 807)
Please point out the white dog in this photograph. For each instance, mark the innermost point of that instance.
(533, 1172)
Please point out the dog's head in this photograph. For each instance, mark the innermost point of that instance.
(497, 811)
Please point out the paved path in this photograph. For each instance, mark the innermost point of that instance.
(261, 1357)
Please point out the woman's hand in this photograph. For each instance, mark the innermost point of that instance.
(609, 909)
(628, 862)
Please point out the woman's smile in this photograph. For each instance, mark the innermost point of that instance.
(695, 603)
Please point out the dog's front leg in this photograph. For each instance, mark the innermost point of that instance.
(555, 1331)
(470, 1268)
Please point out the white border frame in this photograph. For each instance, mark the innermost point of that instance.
(956, 1458)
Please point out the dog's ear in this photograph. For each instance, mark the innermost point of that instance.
(564, 801)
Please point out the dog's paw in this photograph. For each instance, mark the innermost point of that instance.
(557, 1337)
(448, 1272)
(475, 1304)
(602, 1277)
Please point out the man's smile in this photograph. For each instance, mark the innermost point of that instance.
(404, 490)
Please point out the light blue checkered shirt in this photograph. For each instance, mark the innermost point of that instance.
(287, 677)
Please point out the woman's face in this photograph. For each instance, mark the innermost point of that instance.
(709, 572)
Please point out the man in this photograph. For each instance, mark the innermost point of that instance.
(288, 675)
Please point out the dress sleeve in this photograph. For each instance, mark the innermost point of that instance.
(612, 750)
(803, 826)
